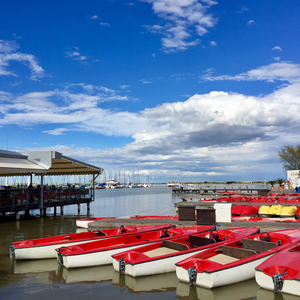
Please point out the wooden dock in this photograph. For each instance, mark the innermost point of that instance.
(17, 200)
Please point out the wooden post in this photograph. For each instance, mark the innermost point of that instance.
(54, 210)
(62, 210)
(78, 206)
(88, 206)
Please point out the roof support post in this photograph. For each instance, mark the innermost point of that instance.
(42, 192)
(93, 188)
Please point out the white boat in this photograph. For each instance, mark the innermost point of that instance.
(42, 248)
(173, 184)
(235, 261)
(281, 272)
(99, 252)
(161, 257)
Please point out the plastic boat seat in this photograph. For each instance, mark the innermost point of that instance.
(198, 241)
(238, 253)
(257, 246)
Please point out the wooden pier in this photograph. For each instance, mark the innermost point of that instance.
(261, 190)
(18, 200)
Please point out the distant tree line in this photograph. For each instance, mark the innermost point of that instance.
(290, 157)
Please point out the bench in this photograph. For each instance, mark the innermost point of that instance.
(198, 241)
(238, 253)
(174, 245)
(257, 246)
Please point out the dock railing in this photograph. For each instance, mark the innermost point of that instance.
(18, 199)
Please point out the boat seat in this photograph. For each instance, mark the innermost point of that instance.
(198, 241)
(175, 246)
(257, 246)
(238, 253)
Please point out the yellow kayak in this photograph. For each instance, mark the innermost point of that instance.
(264, 211)
(275, 210)
(288, 211)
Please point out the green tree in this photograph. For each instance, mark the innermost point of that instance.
(290, 157)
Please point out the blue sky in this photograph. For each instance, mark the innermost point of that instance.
(178, 90)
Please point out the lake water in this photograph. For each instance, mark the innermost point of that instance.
(44, 279)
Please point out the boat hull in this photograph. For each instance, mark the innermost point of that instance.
(99, 258)
(223, 277)
(281, 273)
(289, 286)
(153, 267)
(43, 248)
(234, 261)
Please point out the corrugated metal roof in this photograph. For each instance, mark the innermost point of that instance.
(47, 162)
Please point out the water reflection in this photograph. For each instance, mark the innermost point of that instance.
(150, 284)
(34, 266)
(263, 294)
(242, 290)
(86, 275)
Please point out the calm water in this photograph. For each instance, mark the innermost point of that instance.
(45, 280)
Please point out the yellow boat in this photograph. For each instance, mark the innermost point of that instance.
(288, 211)
(275, 210)
(264, 211)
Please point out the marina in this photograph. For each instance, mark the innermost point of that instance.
(47, 279)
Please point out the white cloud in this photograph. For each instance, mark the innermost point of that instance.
(277, 58)
(75, 54)
(104, 24)
(244, 8)
(124, 86)
(213, 43)
(8, 53)
(217, 134)
(95, 17)
(57, 131)
(279, 71)
(251, 22)
(183, 20)
(144, 81)
(277, 48)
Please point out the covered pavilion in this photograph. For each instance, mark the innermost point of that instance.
(43, 163)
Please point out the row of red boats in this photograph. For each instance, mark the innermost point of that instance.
(202, 255)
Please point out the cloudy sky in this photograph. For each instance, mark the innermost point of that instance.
(175, 89)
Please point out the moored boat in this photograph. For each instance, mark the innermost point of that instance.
(45, 247)
(161, 257)
(99, 252)
(234, 261)
(281, 272)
